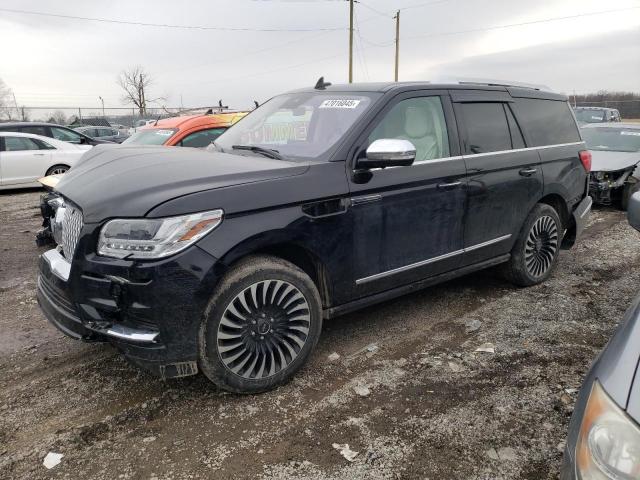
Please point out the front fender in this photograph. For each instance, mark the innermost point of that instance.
(327, 240)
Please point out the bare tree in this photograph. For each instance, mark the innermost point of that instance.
(7, 102)
(58, 118)
(135, 81)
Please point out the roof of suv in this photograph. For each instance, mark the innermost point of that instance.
(384, 87)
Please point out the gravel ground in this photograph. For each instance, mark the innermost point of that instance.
(433, 407)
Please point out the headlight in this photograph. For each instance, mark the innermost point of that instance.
(609, 441)
(155, 237)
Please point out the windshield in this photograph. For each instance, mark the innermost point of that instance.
(153, 136)
(612, 139)
(590, 116)
(299, 125)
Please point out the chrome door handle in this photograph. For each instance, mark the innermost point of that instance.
(449, 186)
(39, 154)
(527, 172)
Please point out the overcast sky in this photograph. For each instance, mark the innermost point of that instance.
(53, 61)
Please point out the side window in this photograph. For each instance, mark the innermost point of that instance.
(103, 132)
(486, 127)
(516, 135)
(202, 138)
(419, 120)
(35, 130)
(547, 122)
(42, 145)
(17, 144)
(65, 135)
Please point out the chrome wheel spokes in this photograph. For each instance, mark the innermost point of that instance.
(263, 329)
(541, 246)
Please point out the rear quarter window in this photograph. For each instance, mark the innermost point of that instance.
(547, 122)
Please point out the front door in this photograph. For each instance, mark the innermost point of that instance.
(23, 160)
(408, 221)
(504, 177)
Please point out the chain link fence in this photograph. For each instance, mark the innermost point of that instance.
(126, 117)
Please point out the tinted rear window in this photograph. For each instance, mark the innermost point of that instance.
(486, 125)
(547, 122)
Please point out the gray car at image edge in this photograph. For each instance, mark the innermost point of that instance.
(604, 433)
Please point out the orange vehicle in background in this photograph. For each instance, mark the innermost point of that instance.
(196, 131)
(188, 131)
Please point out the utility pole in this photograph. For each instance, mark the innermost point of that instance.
(102, 100)
(350, 41)
(397, 17)
(15, 104)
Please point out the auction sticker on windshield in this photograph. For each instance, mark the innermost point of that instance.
(339, 103)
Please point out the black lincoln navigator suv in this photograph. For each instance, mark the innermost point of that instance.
(321, 201)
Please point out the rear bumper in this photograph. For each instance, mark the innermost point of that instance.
(581, 216)
(154, 323)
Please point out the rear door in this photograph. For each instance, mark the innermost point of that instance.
(504, 179)
(23, 160)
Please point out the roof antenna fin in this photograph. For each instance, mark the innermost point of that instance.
(256, 103)
(321, 84)
(209, 112)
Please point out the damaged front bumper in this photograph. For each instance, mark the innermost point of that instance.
(151, 312)
(607, 187)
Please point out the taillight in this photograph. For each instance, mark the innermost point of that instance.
(585, 158)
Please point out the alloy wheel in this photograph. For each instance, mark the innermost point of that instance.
(541, 246)
(263, 329)
(58, 170)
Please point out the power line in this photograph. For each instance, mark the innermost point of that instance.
(249, 54)
(368, 7)
(533, 22)
(360, 49)
(425, 4)
(166, 25)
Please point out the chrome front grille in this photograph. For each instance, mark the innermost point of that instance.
(71, 227)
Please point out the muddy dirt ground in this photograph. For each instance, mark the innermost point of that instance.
(436, 409)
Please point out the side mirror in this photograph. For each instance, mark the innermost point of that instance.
(388, 152)
(633, 211)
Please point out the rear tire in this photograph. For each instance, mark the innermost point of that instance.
(535, 253)
(57, 169)
(261, 325)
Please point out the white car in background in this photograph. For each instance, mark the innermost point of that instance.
(25, 157)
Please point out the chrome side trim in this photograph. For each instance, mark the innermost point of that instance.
(473, 155)
(431, 260)
(527, 149)
(57, 263)
(365, 199)
(487, 243)
(131, 334)
(408, 267)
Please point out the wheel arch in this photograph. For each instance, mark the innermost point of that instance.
(54, 166)
(275, 244)
(559, 204)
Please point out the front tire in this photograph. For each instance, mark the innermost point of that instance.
(57, 169)
(260, 326)
(535, 253)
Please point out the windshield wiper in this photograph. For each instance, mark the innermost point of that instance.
(267, 152)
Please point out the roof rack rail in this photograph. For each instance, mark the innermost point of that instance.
(492, 83)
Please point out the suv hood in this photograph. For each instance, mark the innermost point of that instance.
(130, 181)
(602, 161)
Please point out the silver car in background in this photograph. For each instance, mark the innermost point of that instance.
(604, 433)
(615, 154)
